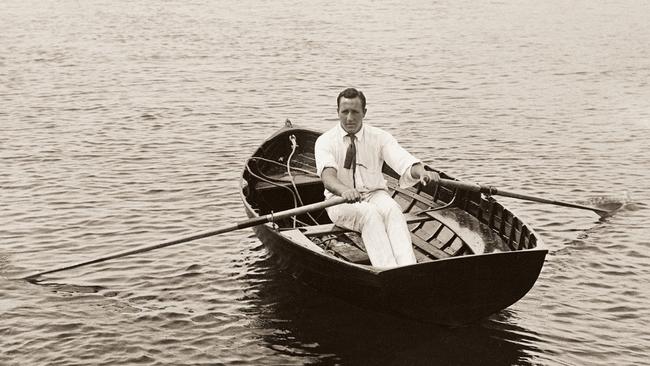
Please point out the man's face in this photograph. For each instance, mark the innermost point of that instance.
(351, 114)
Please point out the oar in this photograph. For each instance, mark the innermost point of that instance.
(489, 190)
(240, 225)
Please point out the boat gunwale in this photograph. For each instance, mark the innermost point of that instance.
(539, 246)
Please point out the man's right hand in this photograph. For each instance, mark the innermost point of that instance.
(351, 195)
(334, 185)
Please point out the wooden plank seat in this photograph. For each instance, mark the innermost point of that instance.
(351, 246)
(300, 179)
(333, 229)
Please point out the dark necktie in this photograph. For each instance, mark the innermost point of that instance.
(351, 158)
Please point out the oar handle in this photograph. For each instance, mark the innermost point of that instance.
(489, 190)
(241, 225)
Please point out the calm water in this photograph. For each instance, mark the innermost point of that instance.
(127, 123)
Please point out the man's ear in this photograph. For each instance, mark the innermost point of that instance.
(365, 111)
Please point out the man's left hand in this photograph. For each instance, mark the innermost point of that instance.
(424, 176)
(429, 177)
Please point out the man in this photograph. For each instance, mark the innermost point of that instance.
(349, 159)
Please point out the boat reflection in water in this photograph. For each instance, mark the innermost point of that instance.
(322, 329)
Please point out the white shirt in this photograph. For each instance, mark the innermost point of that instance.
(374, 147)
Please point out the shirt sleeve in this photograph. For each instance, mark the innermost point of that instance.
(324, 155)
(399, 160)
(407, 180)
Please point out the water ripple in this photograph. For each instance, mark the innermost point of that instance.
(127, 124)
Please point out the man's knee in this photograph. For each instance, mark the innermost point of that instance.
(370, 214)
(385, 202)
(394, 207)
(390, 208)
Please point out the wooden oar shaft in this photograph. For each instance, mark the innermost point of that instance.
(494, 191)
(552, 202)
(241, 225)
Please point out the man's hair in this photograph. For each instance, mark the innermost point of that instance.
(351, 93)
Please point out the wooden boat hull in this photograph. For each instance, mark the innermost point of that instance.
(455, 290)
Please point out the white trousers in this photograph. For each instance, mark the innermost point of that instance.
(382, 225)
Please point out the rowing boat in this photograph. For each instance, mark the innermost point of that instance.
(474, 256)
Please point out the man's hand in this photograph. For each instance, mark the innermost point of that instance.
(351, 195)
(428, 177)
(424, 176)
(334, 185)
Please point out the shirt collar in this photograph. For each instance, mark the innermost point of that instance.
(359, 135)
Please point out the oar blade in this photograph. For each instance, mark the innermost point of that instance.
(607, 209)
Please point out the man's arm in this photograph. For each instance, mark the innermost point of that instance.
(334, 185)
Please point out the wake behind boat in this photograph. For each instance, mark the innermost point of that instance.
(474, 257)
